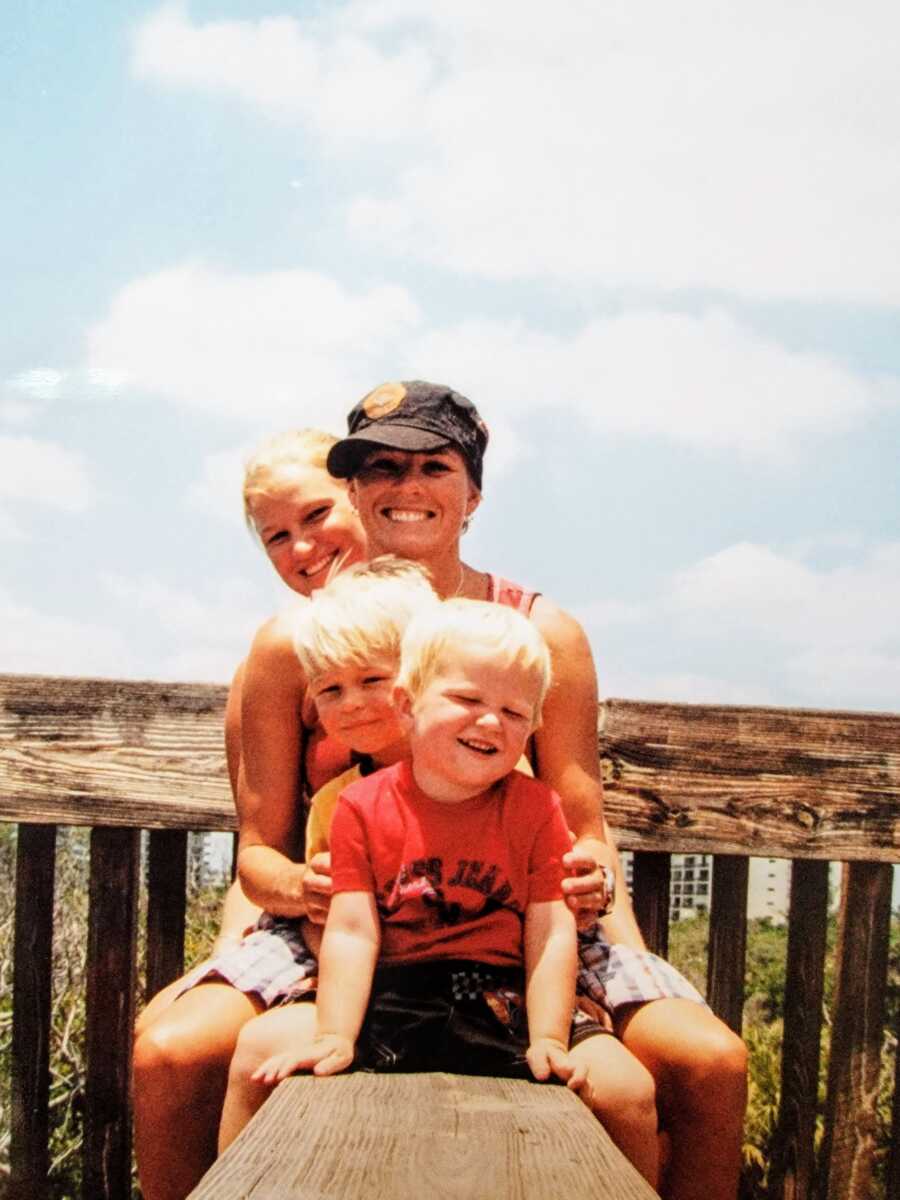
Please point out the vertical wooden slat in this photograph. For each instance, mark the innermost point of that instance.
(166, 901)
(793, 1155)
(32, 976)
(650, 896)
(728, 939)
(111, 981)
(892, 1180)
(857, 1028)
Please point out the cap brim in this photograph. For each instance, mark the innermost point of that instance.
(346, 457)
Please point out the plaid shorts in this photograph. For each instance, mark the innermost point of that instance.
(272, 962)
(615, 975)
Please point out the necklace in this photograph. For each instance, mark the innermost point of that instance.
(462, 575)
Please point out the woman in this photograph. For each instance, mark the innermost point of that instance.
(413, 459)
(184, 1042)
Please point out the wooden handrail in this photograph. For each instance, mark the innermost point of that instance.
(710, 779)
(732, 782)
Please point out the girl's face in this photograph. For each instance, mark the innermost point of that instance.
(307, 526)
(413, 504)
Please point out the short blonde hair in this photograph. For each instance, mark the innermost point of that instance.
(295, 447)
(361, 615)
(459, 624)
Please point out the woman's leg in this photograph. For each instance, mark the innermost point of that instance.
(621, 1094)
(700, 1069)
(180, 1071)
(259, 1040)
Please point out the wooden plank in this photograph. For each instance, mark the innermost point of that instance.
(851, 1134)
(892, 1179)
(450, 1137)
(791, 1176)
(166, 903)
(32, 977)
(788, 783)
(726, 963)
(696, 778)
(111, 982)
(107, 752)
(650, 880)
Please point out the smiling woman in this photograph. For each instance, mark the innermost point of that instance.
(413, 456)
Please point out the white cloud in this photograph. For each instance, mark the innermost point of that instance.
(44, 473)
(292, 348)
(704, 380)
(317, 70)
(647, 144)
(43, 643)
(218, 489)
(287, 347)
(230, 619)
(750, 625)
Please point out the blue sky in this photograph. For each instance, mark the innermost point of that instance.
(655, 243)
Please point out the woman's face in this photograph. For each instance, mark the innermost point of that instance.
(413, 504)
(307, 526)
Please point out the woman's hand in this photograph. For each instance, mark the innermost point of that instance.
(317, 887)
(590, 887)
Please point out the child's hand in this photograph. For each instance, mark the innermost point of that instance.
(548, 1056)
(317, 887)
(325, 1054)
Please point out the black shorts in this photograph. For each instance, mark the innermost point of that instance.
(451, 1015)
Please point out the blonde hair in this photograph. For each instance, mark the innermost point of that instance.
(361, 615)
(295, 447)
(459, 624)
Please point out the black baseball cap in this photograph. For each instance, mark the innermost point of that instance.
(413, 416)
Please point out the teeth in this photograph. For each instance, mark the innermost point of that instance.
(481, 747)
(406, 514)
(318, 566)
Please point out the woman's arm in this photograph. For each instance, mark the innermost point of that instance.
(550, 963)
(568, 760)
(269, 776)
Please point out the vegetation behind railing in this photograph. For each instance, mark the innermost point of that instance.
(733, 782)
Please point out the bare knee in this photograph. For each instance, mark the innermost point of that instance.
(712, 1073)
(627, 1095)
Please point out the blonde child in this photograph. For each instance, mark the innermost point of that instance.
(447, 903)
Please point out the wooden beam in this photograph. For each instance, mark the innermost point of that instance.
(726, 963)
(32, 975)
(111, 980)
(786, 783)
(792, 1173)
(379, 1137)
(650, 881)
(107, 752)
(166, 903)
(678, 777)
(857, 1028)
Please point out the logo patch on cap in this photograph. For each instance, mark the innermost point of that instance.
(383, 400)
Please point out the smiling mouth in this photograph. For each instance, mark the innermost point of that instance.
(478, 746)
(407, 516)
(318, 566)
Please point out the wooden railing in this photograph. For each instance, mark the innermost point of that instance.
(813, 787)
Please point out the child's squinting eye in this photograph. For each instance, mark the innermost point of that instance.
(276, 538)
(372, 679)
(516, 716)
(328, 693)
(317, 514)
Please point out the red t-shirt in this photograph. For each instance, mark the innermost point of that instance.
(449, 880)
